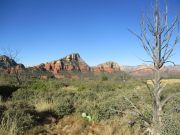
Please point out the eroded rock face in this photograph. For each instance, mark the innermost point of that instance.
(72, 62)
(147, 70)
(9, 65)
(5, 61)
(107, 67)
(142, 70)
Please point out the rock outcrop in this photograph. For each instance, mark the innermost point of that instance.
(9, 65)
(109, 67)
(146, 70)
(72, 62)
(142, 70)
(6, 62)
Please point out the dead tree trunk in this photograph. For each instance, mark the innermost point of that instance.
(156, 38)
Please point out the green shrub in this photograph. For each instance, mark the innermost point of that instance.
(47, 85)
(62, 102)
(104, 78)
(64, 107)
(89, 95)
(81, 88)
(171, 115)
(171, 124)
(101, 106)
(39, 85)
(24, 95)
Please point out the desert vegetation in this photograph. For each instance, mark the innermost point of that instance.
(69, 97)
(96, 106)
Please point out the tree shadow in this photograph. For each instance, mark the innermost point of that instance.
(47, 117)
(6, 91)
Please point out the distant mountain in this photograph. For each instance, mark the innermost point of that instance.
(74, 62)
(109, 67)
(146, 70)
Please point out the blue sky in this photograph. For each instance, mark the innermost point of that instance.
(45, 30)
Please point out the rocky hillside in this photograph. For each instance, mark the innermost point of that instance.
(109, 67)
(9, 65)
(145, 70)
(72, 62)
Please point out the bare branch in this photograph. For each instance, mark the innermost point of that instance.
(150, 26)
(137, 110)
(169, 98)
(172, 26)
(161, 89)
(170, 62)
(149, 89)
(148, 130)
(157, 40)
(118, 111)
(146, 61)
(143, 69)
(11, 53)
(169, 52)
(141, 38)
(135, 34)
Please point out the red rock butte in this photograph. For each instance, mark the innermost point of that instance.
(74, 62)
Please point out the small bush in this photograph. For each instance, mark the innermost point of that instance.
(104, 78)
(24, 95)
(64, 107)
(171, 125)
(39, 85)
(101, 107)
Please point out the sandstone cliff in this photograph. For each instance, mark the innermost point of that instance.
(72, 62)
(109, 67)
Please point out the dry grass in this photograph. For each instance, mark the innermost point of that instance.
(166, 81)
(9, 127)
(42, 106)
(70, 88)
(75, 125)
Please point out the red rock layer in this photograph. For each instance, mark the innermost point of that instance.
(107, 67)
(71, 62)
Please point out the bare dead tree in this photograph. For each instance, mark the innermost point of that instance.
(13, 54)
(159, 40)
